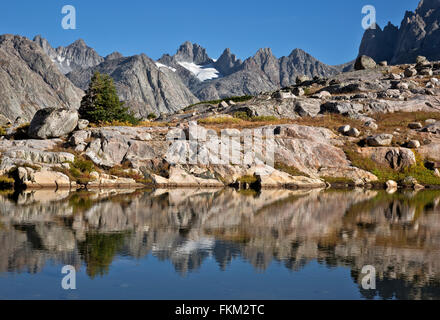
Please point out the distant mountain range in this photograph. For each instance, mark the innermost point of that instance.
(227, 76)
(34, 75)
(418, 34)
(187, 77)
(58, 76)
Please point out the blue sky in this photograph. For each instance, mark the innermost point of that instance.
(329, 30)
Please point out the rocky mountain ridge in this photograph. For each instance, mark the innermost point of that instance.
(143, 85)
(203, 77)
(73, 57)
(261, 72)
(29, 80)
(418, 34)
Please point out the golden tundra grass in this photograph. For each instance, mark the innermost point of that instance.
(220, 123)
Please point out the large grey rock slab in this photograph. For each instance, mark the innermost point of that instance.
(53, 123)
(364, 62)
(344, 108)
(380, 140)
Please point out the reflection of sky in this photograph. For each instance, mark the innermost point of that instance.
(149, 278)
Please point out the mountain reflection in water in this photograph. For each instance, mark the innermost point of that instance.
(397, 233)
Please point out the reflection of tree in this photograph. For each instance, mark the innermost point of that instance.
(80, 201)
(99, 250)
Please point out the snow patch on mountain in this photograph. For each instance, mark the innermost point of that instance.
(160, 65)
(203, 73)
(62, 62)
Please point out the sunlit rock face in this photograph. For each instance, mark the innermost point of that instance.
(398, 233)
(31, 81)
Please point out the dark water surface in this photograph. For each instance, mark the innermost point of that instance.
(220, 244)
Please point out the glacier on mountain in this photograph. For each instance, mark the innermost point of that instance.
(203, 73)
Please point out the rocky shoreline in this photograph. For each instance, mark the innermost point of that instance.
(362, 128)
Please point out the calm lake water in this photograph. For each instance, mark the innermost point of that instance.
(220, 244)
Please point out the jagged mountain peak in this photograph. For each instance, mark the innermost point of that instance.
(418, 34)
(192, 52)
(390, 26)
(114, 55)
(79, 43)
(264, 52)
(227, 54)
(299, 56)
(298, 51)
(261, 57)
(379, 44)
(19, 41)
(10, 37)
(301, 53)
(228, 63)
(75, 56)
(42, 42)
(39, 39)
(426, 5)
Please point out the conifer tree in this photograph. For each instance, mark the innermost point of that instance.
(101, 102)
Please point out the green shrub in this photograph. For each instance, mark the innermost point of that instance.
(6, 183)
(247, 179)
(384, 173)
(241, 115)
(79, 171)
(128, 173)
(264, 119)
(85, 166)
(290, 170)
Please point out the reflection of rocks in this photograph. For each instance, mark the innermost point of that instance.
(399, 234)
(20, 251)
(55, 238)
